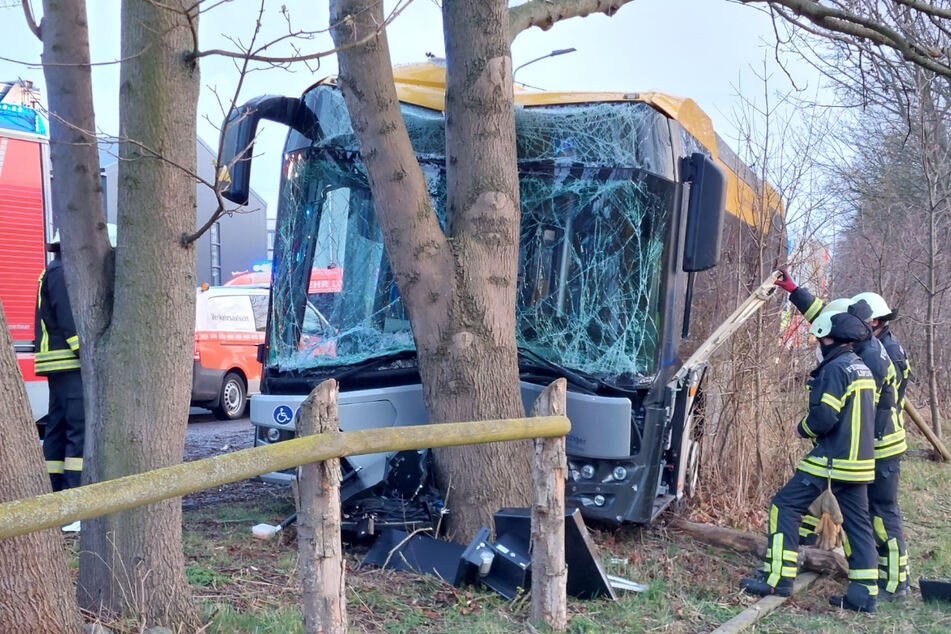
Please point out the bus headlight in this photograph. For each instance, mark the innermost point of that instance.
(587, 472)
(273, 434)
(619, 473)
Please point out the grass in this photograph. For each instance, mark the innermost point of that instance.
(246, 585)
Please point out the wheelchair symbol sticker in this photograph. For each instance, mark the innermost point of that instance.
(283, 415)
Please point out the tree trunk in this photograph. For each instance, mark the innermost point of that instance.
(36, 594)
(318, 521)
(459, 292)
(133, 560)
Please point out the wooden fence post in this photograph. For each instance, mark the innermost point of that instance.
(318, 521)
(549, 468)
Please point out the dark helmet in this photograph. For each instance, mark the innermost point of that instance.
(848, 327)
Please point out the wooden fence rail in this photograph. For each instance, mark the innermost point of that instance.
(20, 517)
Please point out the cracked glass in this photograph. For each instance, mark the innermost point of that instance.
(596, 195)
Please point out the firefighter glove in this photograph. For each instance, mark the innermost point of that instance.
(786, 282)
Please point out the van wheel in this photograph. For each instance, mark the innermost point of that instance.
(233, 398)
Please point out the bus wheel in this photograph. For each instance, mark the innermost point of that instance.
(232, 399)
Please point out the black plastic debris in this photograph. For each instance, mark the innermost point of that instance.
(935, 589)
(417, 553)
(586, 576)
(503, 565)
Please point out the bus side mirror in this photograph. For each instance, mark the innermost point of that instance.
(240, 128)
(704, 212)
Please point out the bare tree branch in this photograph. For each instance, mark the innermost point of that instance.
(834, 19)
(544, 13)
(31, 21)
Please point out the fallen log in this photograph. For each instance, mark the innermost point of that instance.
(925, 429)
(814, 559)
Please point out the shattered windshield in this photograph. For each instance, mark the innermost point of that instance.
(596, 195)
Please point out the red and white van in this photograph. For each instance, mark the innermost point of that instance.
(229, 326)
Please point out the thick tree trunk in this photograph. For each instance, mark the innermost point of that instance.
(320, 551)
(133, 560)
(460, 292)
(473, 371)
(36, 594)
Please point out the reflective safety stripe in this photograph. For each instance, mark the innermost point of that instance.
(813, 309)
(843, 470)
(805, 427)
(832, 402)
(891, 444)
(879, 527)
(773, 518)
(810, 520)
(54, 355)
(789, 571)
(776, 563)
(892, 584)
(864, 574)
(54, 466)
(55, 366)
(73, 464)
(73, 342)
(846, 546)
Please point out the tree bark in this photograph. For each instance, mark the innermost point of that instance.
(459, 291)
(133, 561)
(36, 594)
(549, 472)
(814, 559)
(318, 523)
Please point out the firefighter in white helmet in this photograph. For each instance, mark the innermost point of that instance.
(889, 364)
(840, 422)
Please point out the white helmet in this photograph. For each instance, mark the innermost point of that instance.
(839, 305)
(822, 324)
(876, 302)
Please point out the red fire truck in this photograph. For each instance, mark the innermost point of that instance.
(25, 220)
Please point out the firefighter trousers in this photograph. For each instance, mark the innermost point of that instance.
(887, 524)
(65, 430)
(785, 516)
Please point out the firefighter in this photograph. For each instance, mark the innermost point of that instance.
(883, 493)
(886, 358)
(57, 358)
(841, 424)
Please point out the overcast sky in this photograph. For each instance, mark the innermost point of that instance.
(703, 49)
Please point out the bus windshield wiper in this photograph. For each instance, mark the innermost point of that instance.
(354, 369)
(534, 359)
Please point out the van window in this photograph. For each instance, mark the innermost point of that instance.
(229, 313)
(259, 307)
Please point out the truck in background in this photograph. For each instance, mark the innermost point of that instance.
(25, 223)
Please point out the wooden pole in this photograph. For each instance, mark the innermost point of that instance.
(318, 521)
(925, 429)
(549, 469)
(20, 517)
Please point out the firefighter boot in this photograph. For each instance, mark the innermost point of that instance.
(858, 598)
(900, 592)
(757, 585)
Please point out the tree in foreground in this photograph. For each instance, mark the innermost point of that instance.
(36, 592)
(135, 312)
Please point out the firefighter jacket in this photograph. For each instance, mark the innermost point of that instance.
(841, 420)
(889, 424)
(56, 345)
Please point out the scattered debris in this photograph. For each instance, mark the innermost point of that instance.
(503, 565)
(267, 531)
(935, 589)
